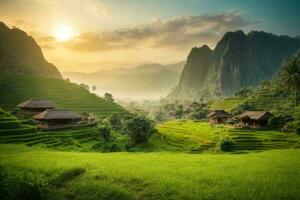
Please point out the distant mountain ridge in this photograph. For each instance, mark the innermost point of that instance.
(144, 81)
(238, 60)
(20, 54)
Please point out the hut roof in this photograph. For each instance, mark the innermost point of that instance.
(37, 103)
(57, 114)
(254, 115)
(218, 113)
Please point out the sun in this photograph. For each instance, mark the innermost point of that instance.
(64, 32)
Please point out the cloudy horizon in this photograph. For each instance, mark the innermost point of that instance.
(90, 35)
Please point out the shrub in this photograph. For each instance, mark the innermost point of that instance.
(115, 148)
(225, 144)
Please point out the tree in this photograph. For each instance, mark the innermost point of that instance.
(94, 88)
(290, 76)
(108, 97)
(139, 129)
(115, 121)
(104, 133)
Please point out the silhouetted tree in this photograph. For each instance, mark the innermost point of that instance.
(108, 97)
(94, 88)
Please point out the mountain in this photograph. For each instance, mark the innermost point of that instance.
(20, 54)
(298, 37)
(238, 60)
(144, 81)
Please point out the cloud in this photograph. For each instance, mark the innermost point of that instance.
(180, 32)
(94, 7)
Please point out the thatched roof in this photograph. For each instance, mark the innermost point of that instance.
(57, 114)
(37, 103)
(254, 115)
(219, 114)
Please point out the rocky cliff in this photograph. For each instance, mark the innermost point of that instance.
(20, 54)
(238, 60)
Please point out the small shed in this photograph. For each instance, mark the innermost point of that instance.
(35, 106)
(254, 119)
(57, 117)
(218, 116)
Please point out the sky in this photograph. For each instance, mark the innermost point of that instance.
(90, 35)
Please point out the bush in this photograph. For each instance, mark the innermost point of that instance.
(225, 144)
(115, 148)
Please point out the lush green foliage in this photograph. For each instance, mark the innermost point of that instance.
(139, 129)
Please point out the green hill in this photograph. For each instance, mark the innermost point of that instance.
(15, 89)
(20, 54)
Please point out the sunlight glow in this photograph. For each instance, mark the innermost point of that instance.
(64, 33)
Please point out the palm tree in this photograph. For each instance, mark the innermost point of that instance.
(290, 76)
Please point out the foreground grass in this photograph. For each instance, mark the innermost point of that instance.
(76, 175)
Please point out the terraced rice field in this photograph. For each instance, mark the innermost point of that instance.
(264, 99)
(201, 136)
(13, 131)
(267, 100)
(16, 89)
(10, 125)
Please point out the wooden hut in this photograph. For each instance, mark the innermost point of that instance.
(35, 106)
(254, 119)
(57, 118)
(218, 116)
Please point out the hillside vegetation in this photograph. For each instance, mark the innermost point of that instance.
(74, 175)
(20, 54)
(15, 89)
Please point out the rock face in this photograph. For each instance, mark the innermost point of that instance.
(20, 54)
(238, 61)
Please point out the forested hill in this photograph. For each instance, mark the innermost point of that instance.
(20, 54)
(239, 60)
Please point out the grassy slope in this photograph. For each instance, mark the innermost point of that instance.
(226, 104)
(16, 89)
(267, 175)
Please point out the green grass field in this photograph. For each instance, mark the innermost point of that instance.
(69, 175)
(18, 88)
